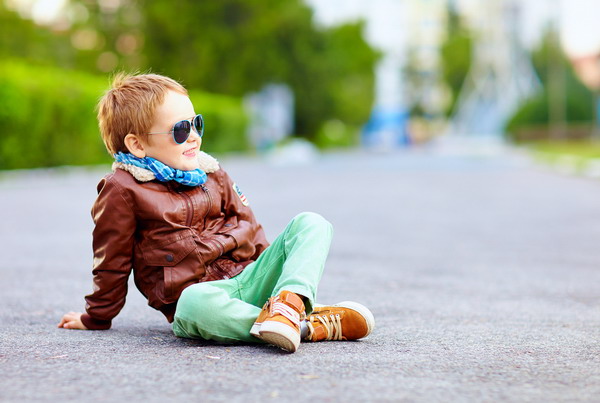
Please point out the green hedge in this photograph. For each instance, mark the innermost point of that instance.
(48, 118)
(534, 113)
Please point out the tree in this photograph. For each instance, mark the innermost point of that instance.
(237, 46)
(456, 55)
(22, 38)
(223, 46)
(577, 98)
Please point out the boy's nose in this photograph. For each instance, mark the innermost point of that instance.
(193, 136)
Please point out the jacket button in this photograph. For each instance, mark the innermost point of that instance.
(169, 258)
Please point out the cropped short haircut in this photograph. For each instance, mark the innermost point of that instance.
(129, 106)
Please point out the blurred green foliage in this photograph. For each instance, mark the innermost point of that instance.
(579, 148)
(237, 46)
(21, 38)
(225, 122)
(336, 134)
(535, 112)
(229, 47)
(456, 55)
(48, 117)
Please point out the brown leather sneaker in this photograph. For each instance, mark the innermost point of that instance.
(344, 321)
(279, 321)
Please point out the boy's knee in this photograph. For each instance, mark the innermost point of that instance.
(188, 295)
(311, 219)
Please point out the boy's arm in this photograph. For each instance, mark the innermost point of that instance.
(113, 248)
(247, 233)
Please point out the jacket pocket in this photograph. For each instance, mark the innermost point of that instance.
(222, 269)
(179, 265)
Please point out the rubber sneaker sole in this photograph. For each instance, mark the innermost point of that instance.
(255, 330)
(280, 335)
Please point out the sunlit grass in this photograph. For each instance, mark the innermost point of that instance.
(577, 157)
(587, 149)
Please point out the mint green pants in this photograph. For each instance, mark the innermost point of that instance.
(224, 310)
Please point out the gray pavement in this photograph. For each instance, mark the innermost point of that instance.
(482, 271)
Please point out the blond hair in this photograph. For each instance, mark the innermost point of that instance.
(129, 106)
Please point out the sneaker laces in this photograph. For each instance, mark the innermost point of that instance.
(285, 310)
(331, 323)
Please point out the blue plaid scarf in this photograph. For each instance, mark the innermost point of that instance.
(163, 172)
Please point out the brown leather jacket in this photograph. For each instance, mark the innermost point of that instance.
(170, 235)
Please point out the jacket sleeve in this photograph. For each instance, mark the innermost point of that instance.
(248, 234)
(113, 237)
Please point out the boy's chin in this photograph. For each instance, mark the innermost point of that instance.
(189, 165)
(189, 168)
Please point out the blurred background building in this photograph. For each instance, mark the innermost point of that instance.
(501, 75)
(498, 74)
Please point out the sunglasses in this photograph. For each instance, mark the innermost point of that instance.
(182, 129)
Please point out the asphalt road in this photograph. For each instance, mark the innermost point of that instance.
(481, 268)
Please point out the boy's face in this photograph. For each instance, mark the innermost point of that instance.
(163, 147)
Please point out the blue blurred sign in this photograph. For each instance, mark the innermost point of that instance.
(386, 129)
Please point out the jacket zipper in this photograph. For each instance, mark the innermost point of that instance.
(219, 246)
(190, 208)
(209, 199)
(207, 193)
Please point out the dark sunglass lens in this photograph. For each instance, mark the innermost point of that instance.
(181, 131)
(199, 125)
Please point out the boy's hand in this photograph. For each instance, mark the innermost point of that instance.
(72, 320)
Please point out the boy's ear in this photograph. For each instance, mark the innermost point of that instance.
(135, 145)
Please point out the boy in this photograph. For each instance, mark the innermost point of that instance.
(170, 214)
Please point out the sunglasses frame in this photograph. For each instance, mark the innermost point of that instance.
(192, 123)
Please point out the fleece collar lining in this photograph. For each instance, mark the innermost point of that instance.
(208, 164)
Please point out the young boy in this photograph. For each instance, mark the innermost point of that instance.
(170, 214)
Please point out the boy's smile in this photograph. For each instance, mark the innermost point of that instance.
(163, 147)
